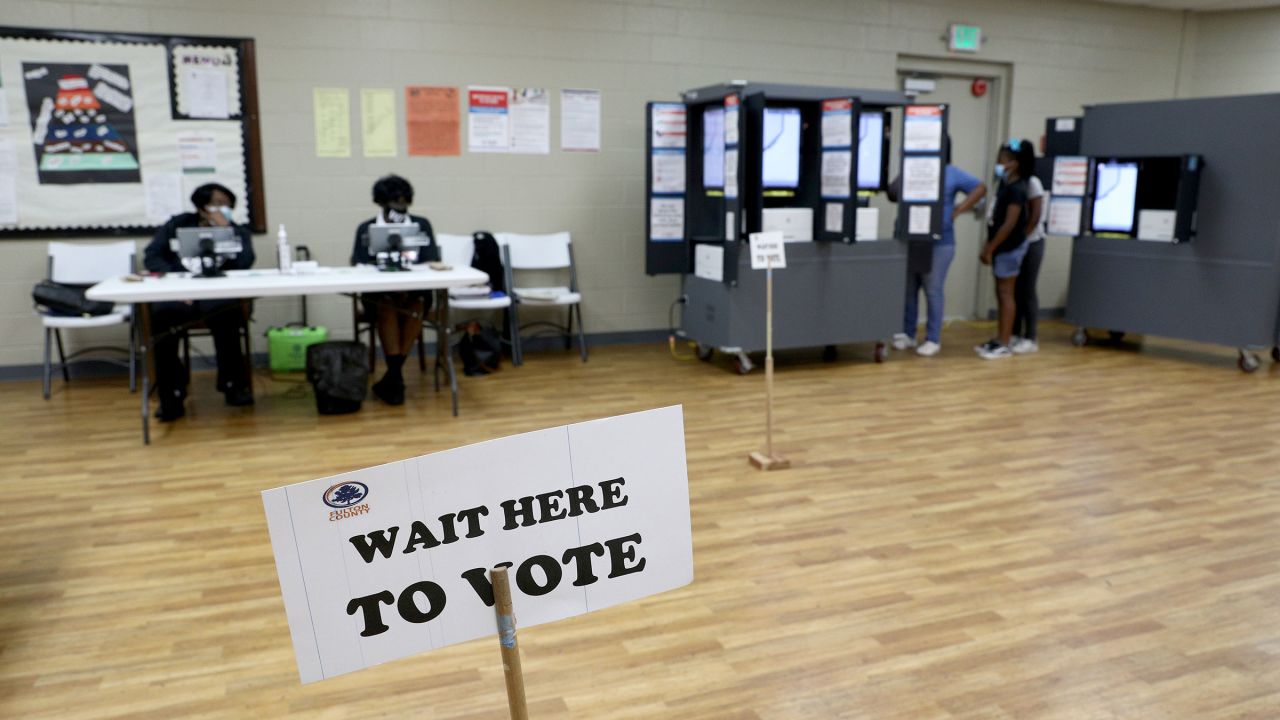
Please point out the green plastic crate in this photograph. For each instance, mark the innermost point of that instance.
(287, 346)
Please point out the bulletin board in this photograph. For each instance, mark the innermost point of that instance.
(109, 133)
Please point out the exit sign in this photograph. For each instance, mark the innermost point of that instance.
(964, 38)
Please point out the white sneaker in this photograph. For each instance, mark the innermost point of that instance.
(902, 341)
(1024, 346)
(994, 351)
(928, 349)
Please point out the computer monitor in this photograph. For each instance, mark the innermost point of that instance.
(871, 150)
(1115, 196)
(395, 237)
(210, 246)
(781, 143)
(713, 148)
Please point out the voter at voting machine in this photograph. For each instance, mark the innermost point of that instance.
(397, 315)
(214, 204)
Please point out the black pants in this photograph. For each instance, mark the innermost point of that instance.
(223, 318)
(1024, 292)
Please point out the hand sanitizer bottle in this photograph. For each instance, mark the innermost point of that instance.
(285, 255)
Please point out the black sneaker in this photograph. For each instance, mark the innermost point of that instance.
(171, 409)
(987, 346)
(389, 391)
(239, 397)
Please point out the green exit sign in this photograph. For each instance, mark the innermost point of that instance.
(964, 38)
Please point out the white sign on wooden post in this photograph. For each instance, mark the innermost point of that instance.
(393, 560)
(768, 248)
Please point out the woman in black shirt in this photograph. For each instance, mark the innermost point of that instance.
(1007, 239)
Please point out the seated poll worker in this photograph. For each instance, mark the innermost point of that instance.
(397, 315)
(213, 203)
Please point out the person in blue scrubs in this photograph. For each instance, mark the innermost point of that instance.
(955, 182)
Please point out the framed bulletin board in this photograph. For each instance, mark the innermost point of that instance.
(108, 133)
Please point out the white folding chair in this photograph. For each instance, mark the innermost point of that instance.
(457, 250)
(552, 251)
(88, 264)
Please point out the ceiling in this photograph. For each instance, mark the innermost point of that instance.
(1202, 5)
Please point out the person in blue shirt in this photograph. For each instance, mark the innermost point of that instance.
(955, 181)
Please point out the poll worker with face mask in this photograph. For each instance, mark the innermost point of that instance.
(397, 315)
(214, 205)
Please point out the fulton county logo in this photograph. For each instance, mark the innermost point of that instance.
(345, 494)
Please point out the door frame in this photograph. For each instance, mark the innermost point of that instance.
(1000, 76)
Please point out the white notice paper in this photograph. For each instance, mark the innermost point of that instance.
(708, 261)
(921, 179)
(1064, 216)
(1070, 175)
(580, 120)
(531, 121)
(666, 219)
(1064, 124)
(730, 232)
(731, 173)
(837, 123)
(835, 217)
(205, 93)
(669, 126)
(198, 153)
(768, 250)
(920, 220)
(731, 105)
(164, 195)
(393, 560)
(668, 171)
(1156, 225)
(488, 119)
(836, 173)
(8, 200)
(923, 129)
(868, 224)
(8, 157)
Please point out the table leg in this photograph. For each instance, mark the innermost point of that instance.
(443, 350)
(148, 368)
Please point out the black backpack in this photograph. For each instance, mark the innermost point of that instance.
(488, 259)
(339, 372)
(59, 299)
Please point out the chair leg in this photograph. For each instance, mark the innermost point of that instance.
(133, 352)
(48, 368)
(422, 353)
(62, 356)
(568, 330)
(248, 356)
(517, 348)
(582, 335)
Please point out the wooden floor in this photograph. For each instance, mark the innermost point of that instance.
(1086, 533)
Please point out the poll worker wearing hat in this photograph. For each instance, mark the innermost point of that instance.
(214, 205)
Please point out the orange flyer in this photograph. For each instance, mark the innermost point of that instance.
(432, 120)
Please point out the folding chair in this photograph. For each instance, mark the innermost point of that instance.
(457, 251)
(88, 264)
(553, 251)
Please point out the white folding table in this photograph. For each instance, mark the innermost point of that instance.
(180, 287)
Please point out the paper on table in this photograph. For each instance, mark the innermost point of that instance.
(920, 220)
(836, 166)
(164, 195)
(432, 125)
(666, 219)
(1156, 225)
(580, 120)
(1064, 216)
(835, 217)
(531, 121)
(205, 93)
(668, 171)
(378, 122)
(867, 224)
(8, 200)
(198, 154)
(333, 122)
(921, 177)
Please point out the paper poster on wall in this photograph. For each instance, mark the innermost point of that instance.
(731, 110)
(922, 129)
(580, 120)
(82, 129)
(488, 119)
(531, 121)
(731, 173)
(378, 122)
(837, 123)
(4, 103)
(1064, 124)
(8, 200)
(206, 82)
(666, 219)
(921, 178)
(8, 157)
(198, 154)
(837, 167)
(668, 171)
(834, 218)
(333, 122)
(669, 126)
(1070, 175)
(919, 220)
(867, 221)
(432, 125)
(1064, 216)
(164, 195)
(1157, 225)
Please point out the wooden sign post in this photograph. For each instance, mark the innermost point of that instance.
(768, 251)
(507, 639)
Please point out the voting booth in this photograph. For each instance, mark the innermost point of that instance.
(808, 162)
(1172, 239)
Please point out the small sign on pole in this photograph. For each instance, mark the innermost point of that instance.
(768, 251)
(394, 560)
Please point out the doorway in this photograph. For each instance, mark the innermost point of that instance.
(977, 125)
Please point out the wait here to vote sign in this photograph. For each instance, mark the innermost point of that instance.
(393, 560)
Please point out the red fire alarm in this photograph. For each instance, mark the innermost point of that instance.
(979, 87)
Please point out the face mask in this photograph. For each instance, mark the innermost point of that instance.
(397, 216)
(226, 211)
(1000, 171)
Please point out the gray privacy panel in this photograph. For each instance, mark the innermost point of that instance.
(1223, 287)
